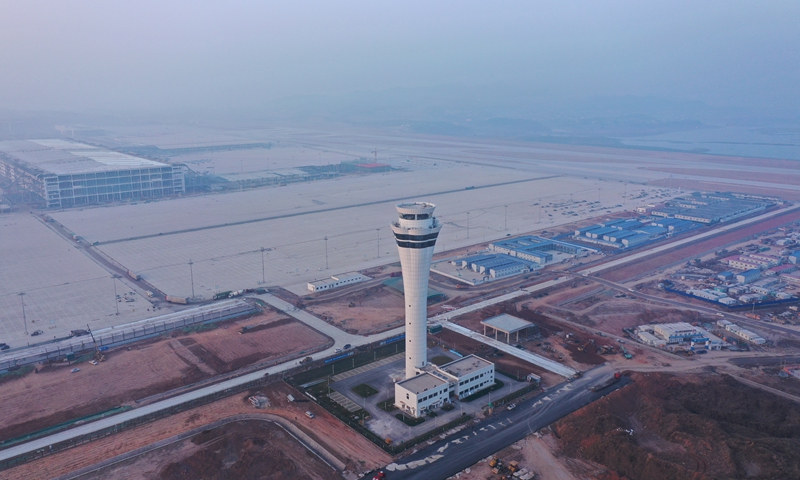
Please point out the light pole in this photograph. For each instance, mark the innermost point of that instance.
(24, 318)
(326, 252)
(263, 278)
(505, 217)
(379, 241)
(116, 302)
(467, 224)
(191, 275)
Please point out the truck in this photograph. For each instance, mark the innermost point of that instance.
(134, 275)
(221, 295)
(235, 293)
(173, 299)
(79, 332)
(605, 383)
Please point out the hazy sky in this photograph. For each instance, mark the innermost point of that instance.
(156, 55)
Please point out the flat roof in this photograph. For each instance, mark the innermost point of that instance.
(465, 366)
(675, 327)
(422, 382)
(64, 157)
(507, 323)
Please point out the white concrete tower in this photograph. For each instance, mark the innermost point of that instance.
(416, 231)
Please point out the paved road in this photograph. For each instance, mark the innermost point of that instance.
(340, 337)
(450, 456)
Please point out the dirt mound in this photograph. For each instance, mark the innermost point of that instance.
(664, 427)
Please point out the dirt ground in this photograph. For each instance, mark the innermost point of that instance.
(689, 427)
(54, 395)
(245, 449)
(362, 312)
(692, 250)
(356, 452)
(539, 453)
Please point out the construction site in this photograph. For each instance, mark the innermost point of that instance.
(147, 378)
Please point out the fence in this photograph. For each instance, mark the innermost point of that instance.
(128, 333)
(743, 306)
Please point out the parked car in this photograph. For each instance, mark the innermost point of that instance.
(702, 352)
(338, 350)
(309, 415)
(93, 362)
(75, 370)
(36, 333)
(512, 406)
(5, 347)
(347, 346)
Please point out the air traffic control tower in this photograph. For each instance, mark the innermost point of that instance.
(416, 231)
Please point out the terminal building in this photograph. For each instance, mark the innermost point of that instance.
(62, 174)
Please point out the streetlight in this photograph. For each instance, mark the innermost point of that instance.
(505, 220)
(263, 278)
(116, 302)
(24, 319)
(326, 252)
(191, 275)
(379, 241)
(467, 224)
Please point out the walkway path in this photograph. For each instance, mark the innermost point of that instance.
(546, 363)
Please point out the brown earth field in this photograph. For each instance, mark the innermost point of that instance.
(356, 452)
(614, 315)
(664, 427)
(362, 312)
(51, 394)
(692, 250)
(243, 449)
(726, 187)
(735, 175)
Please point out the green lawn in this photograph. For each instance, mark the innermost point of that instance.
(364, 390)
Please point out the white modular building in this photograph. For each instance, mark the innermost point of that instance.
(336, 281)
(467, 375)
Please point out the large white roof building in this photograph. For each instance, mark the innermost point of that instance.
(66, 173)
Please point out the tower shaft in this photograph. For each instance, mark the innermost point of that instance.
(415, 232)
